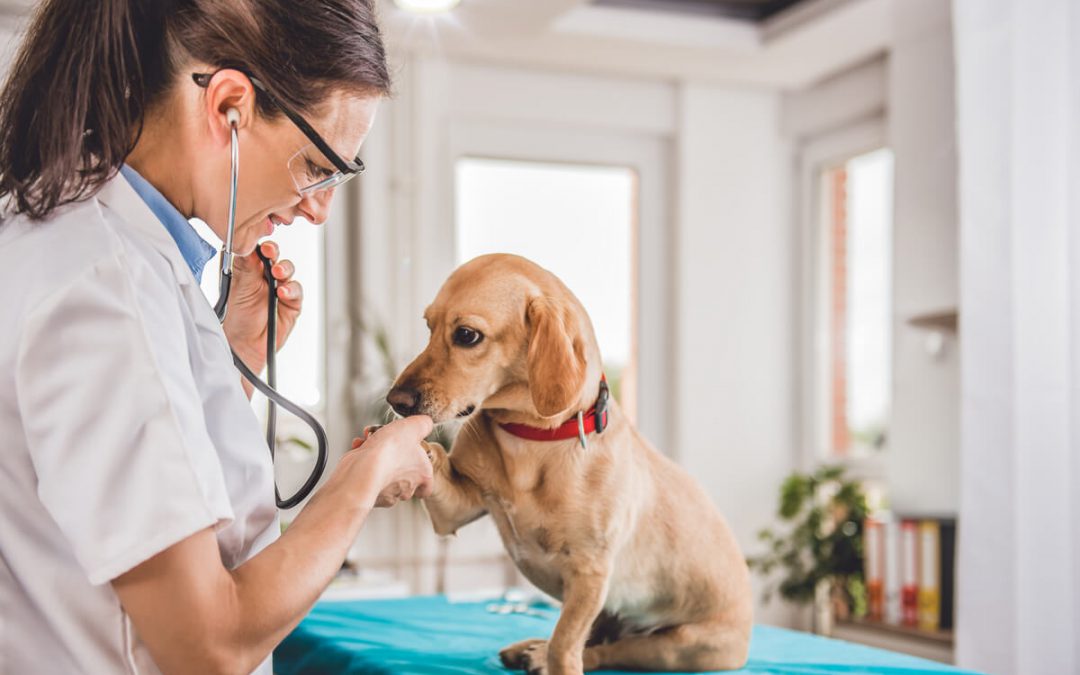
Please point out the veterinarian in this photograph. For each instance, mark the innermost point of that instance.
(140, 532)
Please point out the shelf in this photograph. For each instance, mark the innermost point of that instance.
(941, 636)
(946, 320)
(934, 645)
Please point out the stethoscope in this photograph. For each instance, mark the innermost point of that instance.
(267, 388)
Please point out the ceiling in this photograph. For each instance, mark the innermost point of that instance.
(785, 44)
(788, 48)
(751, 10)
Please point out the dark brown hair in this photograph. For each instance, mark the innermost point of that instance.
(88, 71)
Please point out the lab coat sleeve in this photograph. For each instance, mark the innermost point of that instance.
(114, 420)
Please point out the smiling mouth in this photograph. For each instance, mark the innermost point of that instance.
(467, 411)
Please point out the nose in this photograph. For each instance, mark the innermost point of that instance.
(404, 400)
(316, 206)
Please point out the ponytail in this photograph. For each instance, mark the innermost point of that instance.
(72, 107)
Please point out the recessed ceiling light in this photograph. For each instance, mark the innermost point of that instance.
(427, 6)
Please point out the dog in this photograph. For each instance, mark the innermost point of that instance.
(648, 572)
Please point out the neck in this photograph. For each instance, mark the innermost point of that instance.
(513, 404)
(161, 155)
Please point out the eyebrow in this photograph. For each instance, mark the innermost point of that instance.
(473, 320)
(314, 161)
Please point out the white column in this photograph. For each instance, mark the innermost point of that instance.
(1018, 100)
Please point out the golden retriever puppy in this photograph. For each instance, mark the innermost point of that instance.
(649, 574)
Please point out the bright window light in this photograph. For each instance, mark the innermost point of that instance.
(856, 304)
(427, 6)
(575, 220)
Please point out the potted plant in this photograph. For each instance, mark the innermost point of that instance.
(818, 552)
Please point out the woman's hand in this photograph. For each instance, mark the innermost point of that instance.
(245, 321)
(198, 616)
(394, 460)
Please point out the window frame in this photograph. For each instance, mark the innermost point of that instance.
(817, 155)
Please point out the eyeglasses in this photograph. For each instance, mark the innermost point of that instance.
(308, 176)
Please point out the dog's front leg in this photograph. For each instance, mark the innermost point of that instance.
(455, 501)
(585, 587)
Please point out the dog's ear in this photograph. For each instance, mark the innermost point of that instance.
(556, 356)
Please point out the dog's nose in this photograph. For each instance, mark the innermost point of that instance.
(403, 400)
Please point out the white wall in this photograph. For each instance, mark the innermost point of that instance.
(733, 348)
(923, 458)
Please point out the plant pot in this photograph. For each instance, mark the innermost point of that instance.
(822, 620)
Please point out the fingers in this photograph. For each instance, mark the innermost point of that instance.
(424, 489)
(406, 431)
(404, 490)
(290, 292)
(368, 430)
(416, 426)
(291, 295)
(283, 270)
(270, 250)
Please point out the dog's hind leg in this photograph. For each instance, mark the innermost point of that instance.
(691, 647)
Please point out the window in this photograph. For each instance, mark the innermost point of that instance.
(578, 221)
(854, 303)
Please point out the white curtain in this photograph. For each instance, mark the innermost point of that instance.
(1018, 129)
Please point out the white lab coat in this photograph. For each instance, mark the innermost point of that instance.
(123, 428)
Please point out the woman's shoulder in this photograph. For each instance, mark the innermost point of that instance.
(43, 257)
(68, 226)
(70, 236)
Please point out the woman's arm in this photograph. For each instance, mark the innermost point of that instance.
(196, 616)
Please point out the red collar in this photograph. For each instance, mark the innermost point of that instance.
(595, 419)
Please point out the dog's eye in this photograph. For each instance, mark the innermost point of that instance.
(467, 337)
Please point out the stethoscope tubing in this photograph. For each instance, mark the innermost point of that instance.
(268, 388)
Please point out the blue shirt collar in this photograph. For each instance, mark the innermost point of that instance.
(195, 250)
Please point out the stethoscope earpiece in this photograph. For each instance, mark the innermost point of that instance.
(232, 116)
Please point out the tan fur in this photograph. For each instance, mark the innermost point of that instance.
(648, 571)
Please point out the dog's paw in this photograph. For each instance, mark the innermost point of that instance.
(527, 655)
(435, 452)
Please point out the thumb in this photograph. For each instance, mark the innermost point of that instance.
(416, 426)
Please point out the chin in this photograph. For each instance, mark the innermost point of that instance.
(243, 247)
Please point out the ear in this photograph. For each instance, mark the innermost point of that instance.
(556, 356)
(228, 90)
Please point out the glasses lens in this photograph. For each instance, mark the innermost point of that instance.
(310, 173)
(329, 183)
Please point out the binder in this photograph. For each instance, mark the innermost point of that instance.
(929, 575)
(909, 580)
(892, 561)
(873, 568)
(947, 536)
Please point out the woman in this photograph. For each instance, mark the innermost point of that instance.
(139, 530)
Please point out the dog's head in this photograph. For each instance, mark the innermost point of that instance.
(505, 334)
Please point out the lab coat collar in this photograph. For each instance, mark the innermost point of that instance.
(196, 250)
(118, 196)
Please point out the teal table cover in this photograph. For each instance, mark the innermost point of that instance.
(433, 636)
